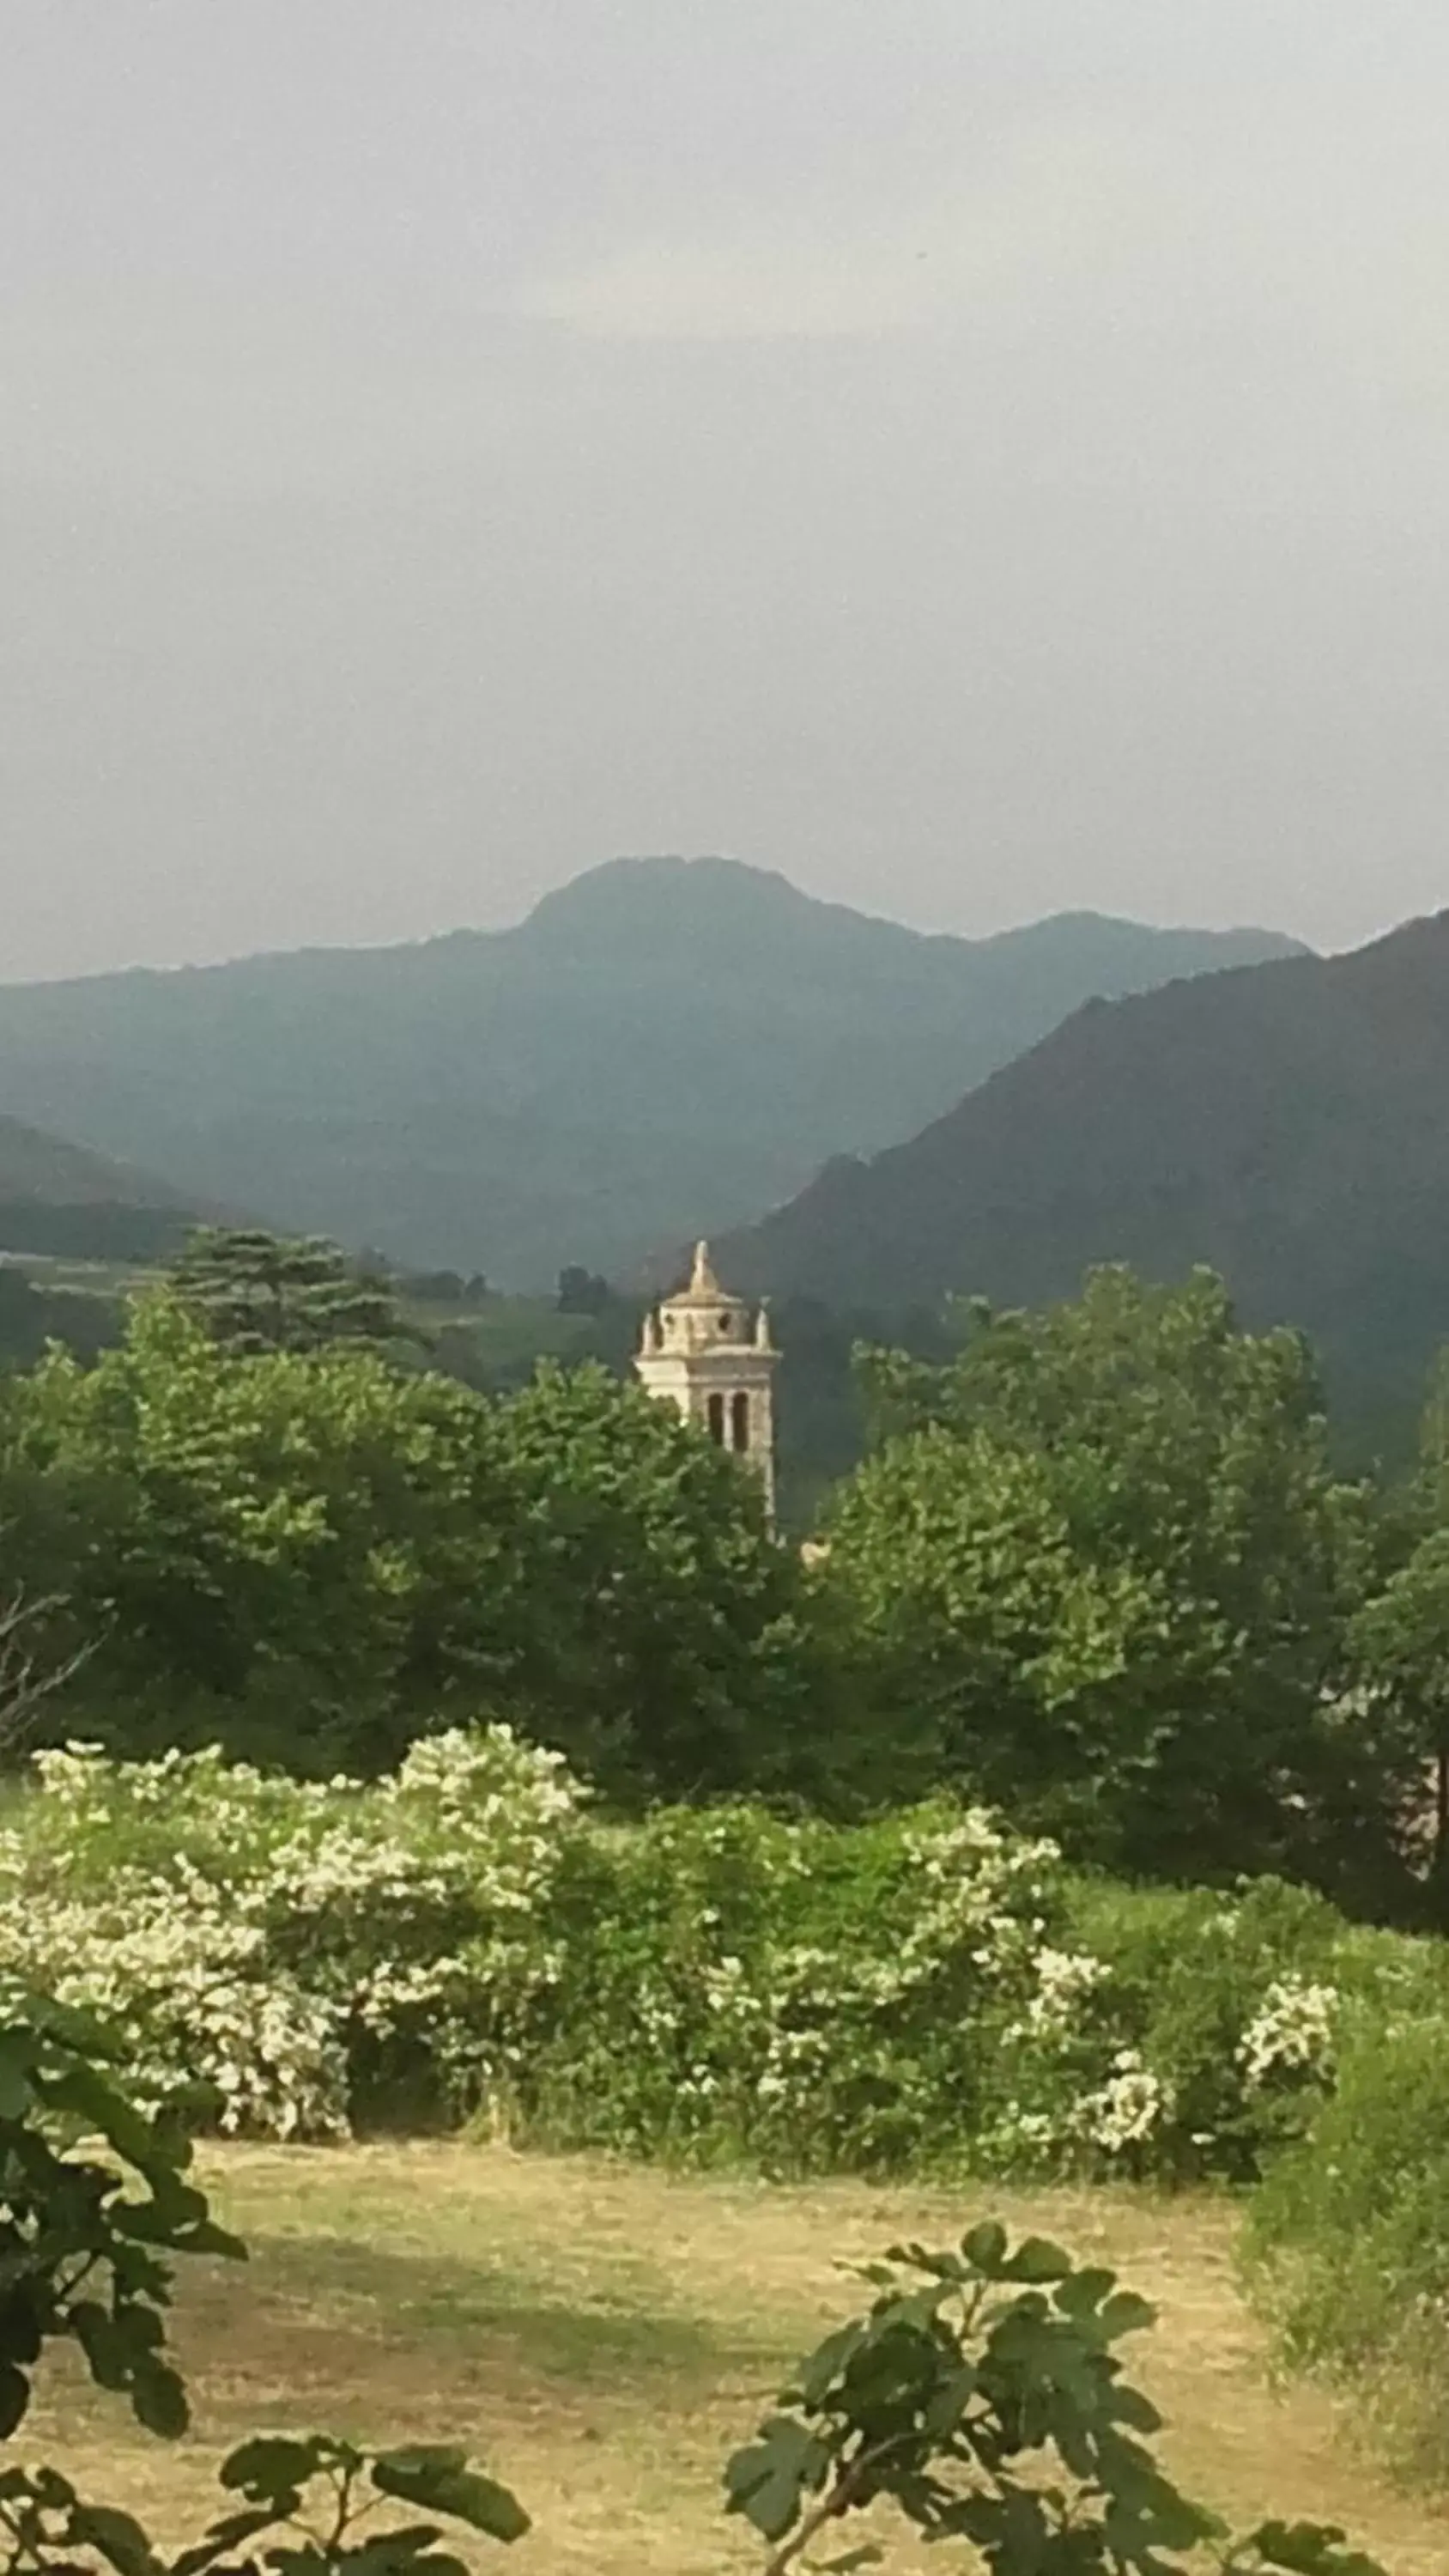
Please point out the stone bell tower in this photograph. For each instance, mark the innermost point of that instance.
(704, 1352)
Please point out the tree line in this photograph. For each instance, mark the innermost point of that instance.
(1098, 1568)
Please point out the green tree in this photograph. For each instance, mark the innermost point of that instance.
(257, 1291)
(999, 1646)
(1102, 1556)
(255, 1543)
(582, 1292)
(667, 1636)
(311, 1557)
(1402, 1642)
(1402, 1636)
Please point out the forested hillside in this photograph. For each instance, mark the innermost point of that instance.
(661, 1048)
(57, 1198)
(1287, 1124)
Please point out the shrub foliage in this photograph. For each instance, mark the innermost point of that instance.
(464, 1936)
(1348, 2236)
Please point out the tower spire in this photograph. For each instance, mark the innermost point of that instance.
(704, 1352)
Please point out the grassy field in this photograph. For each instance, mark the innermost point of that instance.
(602, 2334)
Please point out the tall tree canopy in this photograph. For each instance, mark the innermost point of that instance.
(313, 1555)
(1401, 1639)
(1107, 1572)
(256, 1291)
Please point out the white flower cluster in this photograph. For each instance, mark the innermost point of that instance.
(241, 1931)
(1128, 2108)
(981, 1886)
(1291, 2033)
(1064, 1979)
(180, 1971)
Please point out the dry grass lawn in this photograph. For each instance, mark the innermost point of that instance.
(600, 2335)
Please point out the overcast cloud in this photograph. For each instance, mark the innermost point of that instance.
(980, 456)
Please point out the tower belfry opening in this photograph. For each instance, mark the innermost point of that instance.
(710, 1356)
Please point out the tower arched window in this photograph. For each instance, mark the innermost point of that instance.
(717, 1420)
(740, 1420)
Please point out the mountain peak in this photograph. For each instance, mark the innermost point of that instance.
(666, 897)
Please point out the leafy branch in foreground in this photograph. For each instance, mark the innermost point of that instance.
(319, 2496)
(982, 2396)
(85, 2258)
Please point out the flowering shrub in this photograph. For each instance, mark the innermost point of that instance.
(803, 1994)
(281, 1942)
(929, 1991)
(1219, 2010)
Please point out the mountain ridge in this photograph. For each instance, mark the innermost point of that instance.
(1287, 1123)
(665, 1045)
(652, 875)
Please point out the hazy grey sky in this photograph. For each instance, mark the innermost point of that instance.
(978, 455)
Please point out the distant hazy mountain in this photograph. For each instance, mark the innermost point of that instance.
(662, 1048)
(57, 1198)
(1288, 1124)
